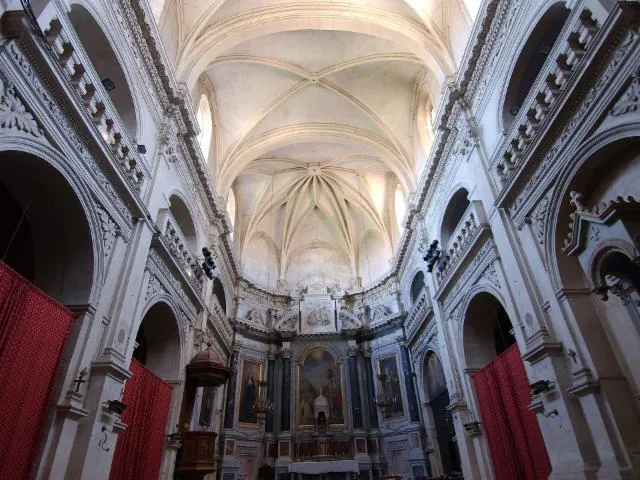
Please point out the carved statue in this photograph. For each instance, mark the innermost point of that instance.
(319, 317)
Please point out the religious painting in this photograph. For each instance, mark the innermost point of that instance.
(391, 389)
(320, 392)
(250, 374)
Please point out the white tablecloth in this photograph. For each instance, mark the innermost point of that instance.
(329, 466)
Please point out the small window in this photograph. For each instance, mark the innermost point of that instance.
(400, 206)
(206, 125)
(453, 214)
(417, 285)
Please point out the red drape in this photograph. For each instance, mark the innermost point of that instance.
(33, 331)
(139, 448)
(517, 447)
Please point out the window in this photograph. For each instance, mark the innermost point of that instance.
(400, 206)
(206, 125)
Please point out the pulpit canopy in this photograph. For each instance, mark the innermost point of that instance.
(207, 370)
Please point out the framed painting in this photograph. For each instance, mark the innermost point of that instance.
(320, 390)
(391, 388)
(250, 374)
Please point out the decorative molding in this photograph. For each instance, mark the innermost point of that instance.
(629, 102)
(110, 230)
(14, 114)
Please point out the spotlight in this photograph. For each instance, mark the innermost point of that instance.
(108, 84)
(142, 149)
(116, 406)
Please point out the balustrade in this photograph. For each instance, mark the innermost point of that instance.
(179, 248)
(85, 82)
(417, 312)
(555, 78)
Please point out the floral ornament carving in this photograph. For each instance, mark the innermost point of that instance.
(13, 113)
(538, 219)
(491, 275)
(110, 230)
(630, 100)
(153, 287)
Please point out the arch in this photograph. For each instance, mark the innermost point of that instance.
(400, 205)
(47, 213)
(453, 214)
(487, 330)
(206, 45)
(531, 59)
(218, 291)
(107, 65)
(182, 215)
(436, 395)
(417, 285)
(205, 122)
(157, 7)
(158, 341)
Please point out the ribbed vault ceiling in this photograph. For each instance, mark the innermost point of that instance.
(320, 122)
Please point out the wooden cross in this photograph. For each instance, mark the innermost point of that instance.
(80, 380)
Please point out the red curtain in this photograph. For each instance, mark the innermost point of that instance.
(33, 331)
(139, 448)
(517, 447)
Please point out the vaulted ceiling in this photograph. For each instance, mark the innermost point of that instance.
(321, 122)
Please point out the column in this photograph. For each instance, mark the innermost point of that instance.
(230, 404)
(414, 413)
(371, 391)
(285, 412)
(271, 363)
(354, 385)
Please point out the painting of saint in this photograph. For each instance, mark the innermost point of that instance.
(251, 373)
(320, 389)
(391, 389)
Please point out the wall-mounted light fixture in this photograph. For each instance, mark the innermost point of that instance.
(208, 265)
(115, 406)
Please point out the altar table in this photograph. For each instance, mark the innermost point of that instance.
(328, 466)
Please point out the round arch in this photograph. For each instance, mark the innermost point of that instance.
(159, 339)
(56, 217)
(454, 211)
(105, 54)
(181, 213)
(534, 46)
(487, 327)
(417, 285)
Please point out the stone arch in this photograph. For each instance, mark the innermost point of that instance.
(487, 328)
(453, 213)
(604, 333)
(181, 213)
(104, 56)
(537, 44)
(220, 294)
(436, 396)
(45, 204)
(159, 339)
(417, 285)
(204, 116)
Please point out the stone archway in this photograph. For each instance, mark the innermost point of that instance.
(46, 236)
(591, 249)
(497, 377)
(436, 395)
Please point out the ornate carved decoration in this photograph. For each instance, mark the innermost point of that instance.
(538, 219)
(630, 100)
(14, 114)
(153, 287)
(110, 230)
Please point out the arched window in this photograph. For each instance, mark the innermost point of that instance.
(231, 207)
(453, 214)
(400, 205)
(417, 284)
(156, 8)
(206, 125)
(531, 60)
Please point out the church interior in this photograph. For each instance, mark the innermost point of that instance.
(320, 239)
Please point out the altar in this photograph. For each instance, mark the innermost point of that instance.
(324, 466)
